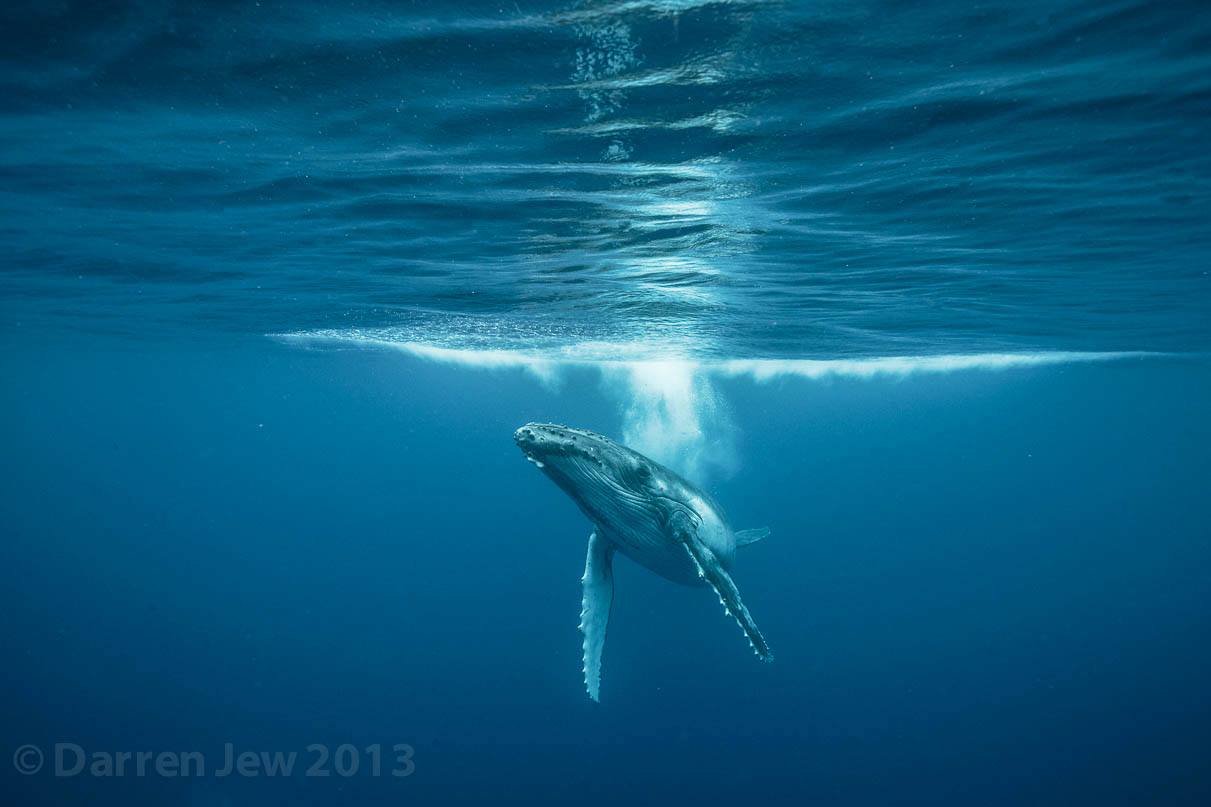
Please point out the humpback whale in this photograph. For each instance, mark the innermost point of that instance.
(648, 513)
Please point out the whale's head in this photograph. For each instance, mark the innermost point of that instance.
(610, 482)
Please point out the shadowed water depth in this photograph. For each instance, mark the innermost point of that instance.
(922, 287)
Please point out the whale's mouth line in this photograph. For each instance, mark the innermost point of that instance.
(542, 460)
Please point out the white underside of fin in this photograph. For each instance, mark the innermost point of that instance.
(598, 582)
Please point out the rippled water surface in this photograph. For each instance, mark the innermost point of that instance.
(725, 179)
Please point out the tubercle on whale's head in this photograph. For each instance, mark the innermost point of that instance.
(588, 466)
(552, 442)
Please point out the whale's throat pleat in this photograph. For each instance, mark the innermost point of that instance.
(626, 513)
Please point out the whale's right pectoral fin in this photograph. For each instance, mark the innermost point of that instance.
(712, 571)
(598, 596)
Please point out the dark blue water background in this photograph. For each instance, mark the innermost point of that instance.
(277, 282)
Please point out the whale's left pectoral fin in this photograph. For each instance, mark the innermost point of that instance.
(710, 570)
(598, 582)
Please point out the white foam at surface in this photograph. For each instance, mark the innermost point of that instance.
(547, 363)
(543, 369)
(766, 369)
(670, 407)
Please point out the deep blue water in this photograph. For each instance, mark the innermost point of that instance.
(922, 287)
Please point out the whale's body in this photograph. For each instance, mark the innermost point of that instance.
(648, 513)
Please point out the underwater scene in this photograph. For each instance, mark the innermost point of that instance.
(605, 402)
